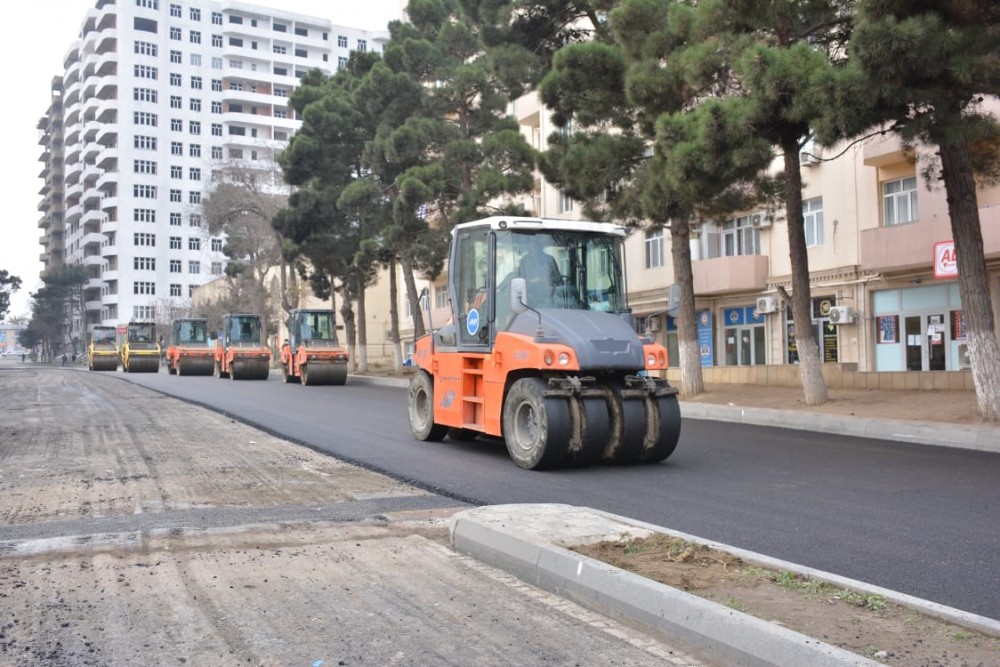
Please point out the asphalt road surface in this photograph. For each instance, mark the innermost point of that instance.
(920, 520)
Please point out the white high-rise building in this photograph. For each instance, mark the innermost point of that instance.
(155, 96)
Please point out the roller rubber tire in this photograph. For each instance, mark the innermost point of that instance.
(669, 431)
(628, 427)
(420, 409)
(536, 429)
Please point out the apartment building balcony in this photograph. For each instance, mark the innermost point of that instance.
(727, 275)
(109, 227)
(109, 203)
(107, 113)
(107, 159)
(94, 283)
(75, 189)
(92, 217)
(108, 89)
(91, 172)
(109, 299)
(93, 306)
(527, 110)
(902, 247)
(107, 135)
(259, 99)
(108, 41)
(44, 222)
(107, 182)
(94, 259)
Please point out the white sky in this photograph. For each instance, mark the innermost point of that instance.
(39, 34)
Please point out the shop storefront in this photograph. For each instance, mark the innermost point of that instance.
(823, 330)
(918, 328)
(744, 336)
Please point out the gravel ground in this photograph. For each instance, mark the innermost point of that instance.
(137, 529)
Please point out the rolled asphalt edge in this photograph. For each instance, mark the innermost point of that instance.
(531, 542)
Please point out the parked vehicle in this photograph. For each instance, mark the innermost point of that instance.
(102, 350)
(140, 353)
(312, 355)
(240, 353)
(190, 352)
(542, 349)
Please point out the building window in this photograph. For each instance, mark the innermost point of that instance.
(235, 41)
(899, 201)
(175, 219)
(195, 14)
(175, 79)
(175, 289)
(812, 213)
(301, 32)
(216, 106)
(144, 95)
(143, 312)
(238, 20)
(341, 62)
(196, 60)
(216, 129)
(236, 85)
(216, 268)
(194, 266)
(279, 27)
(176, 125)
(144, 215)
(175, 196)
(280, 50)
(176, 171)
(194, 220)
(144, 167)
(145, 49)
(194, 150)
(194, 197)
(342, 41)
(144, 263)
(216, 63)
(217, 85)
(141, 191)
(175, 265)
(144, 239)
(142, 287)
(175, 102)
(175, 243)
(176, 148)
(196, 82)
(362, 45)
(175, 33)
(194, 173)
(216, 18)
(654, 248)
(145, 143)
(217, 41)
(175, 11)
(194, 243)
(148, 4)
(216, 152)
(195, 37)
(739, 237)
(194, 127)
(144, 118)
(144, 72)
(195, 104)
(216, 245)
(440, 296)
(565, 203)
(301, 53)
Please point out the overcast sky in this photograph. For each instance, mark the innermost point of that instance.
(39, 34)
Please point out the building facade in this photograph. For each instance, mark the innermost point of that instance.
(155, 99)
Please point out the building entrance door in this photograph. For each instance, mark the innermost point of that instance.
(926, 342)
(745, 346)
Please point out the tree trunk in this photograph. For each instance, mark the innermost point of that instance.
(397, 348)
(347, 313)
(973, 280)
(810, 367)
(692, 380)
(362, 351)
(412, 296)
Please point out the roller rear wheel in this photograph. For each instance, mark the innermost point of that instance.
(665, 423)
(535, 428)
(421, 409)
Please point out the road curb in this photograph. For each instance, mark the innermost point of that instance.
(529, 541)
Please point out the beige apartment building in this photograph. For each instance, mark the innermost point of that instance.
(885, 295)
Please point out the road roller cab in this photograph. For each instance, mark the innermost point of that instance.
(190, 352)
(312, 354)
(542, 349)
(140, 351)
(102, 351)
(240, 353)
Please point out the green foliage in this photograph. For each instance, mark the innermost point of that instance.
(8, 285)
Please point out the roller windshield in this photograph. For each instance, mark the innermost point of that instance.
(105, 336)
(562, 269)
(192, 333)
(316, 326)
(245, 331)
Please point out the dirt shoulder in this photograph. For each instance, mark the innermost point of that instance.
(865, 624)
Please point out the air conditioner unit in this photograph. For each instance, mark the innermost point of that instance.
(760, 221)
(807, 159)
(766, 304)
(841, 315)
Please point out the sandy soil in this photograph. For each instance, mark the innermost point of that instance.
(869, 626)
